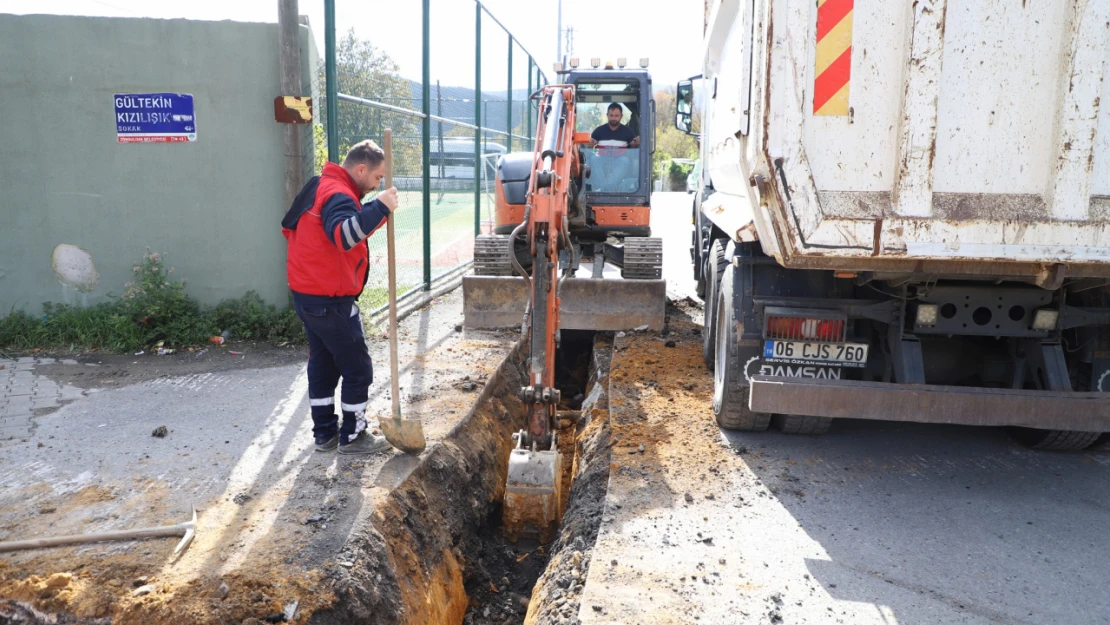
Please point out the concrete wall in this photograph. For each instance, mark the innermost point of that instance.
(213, 207)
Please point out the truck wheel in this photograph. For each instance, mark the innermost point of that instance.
(1056, 440)
(715, 265)
(799, 424)
(730, 387)
(695, 245)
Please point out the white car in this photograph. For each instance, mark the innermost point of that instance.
(693, 180)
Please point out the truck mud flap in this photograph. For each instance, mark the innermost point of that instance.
(586, 304)
(846, 399)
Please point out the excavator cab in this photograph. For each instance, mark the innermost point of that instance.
(608, 213)
(619, 172)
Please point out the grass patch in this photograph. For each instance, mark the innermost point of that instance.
(153, 309)
(374, 297)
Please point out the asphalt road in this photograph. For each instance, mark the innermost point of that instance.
(873, 522)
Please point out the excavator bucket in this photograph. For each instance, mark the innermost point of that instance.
(533, 495)
(585, 303)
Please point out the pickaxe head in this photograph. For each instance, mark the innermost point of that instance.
(190, 530)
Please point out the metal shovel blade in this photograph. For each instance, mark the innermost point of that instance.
(404, 434)
(533, 500)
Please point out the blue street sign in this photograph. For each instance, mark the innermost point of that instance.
(155, 118)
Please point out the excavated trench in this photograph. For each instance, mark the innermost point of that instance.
(501, 584)
(434, 552)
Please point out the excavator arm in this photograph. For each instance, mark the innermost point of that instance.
(533, 498)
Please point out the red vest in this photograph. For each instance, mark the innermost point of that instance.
(315, 265)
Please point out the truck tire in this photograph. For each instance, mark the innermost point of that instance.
(1056, 440)
(715, 266)
(800, 424)
(695, 246)
(730, 387)
(700, 285)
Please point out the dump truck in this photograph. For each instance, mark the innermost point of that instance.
(904, 213)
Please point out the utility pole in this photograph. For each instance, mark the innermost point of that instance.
(289, 65)
(559, 35)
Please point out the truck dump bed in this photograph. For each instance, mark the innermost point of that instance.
(937, 136)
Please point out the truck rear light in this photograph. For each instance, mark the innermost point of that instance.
(805, 329)
(1045, 319)
(927, 314)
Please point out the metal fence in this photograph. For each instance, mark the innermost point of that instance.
(447, 135)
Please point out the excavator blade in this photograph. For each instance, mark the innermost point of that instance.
(533, 495)
(585, 304)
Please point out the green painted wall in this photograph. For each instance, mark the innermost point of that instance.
(212, 207)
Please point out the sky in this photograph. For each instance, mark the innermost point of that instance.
(666, 31)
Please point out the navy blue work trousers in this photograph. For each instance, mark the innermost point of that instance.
(336, 349)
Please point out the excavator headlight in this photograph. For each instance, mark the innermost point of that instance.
(644, 62)
(574, 62)
(558, 67)
(621, 62)
(595, 62)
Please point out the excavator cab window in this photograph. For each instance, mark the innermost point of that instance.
(614, 164)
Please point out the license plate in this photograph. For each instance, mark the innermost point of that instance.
(799, 352)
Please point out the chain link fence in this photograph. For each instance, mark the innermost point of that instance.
(470, 106)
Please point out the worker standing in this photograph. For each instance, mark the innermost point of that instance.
(327, 266)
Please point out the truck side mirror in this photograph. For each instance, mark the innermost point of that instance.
(684, 106)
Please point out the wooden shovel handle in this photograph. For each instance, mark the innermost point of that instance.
(395, 392)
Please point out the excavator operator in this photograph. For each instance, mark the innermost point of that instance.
(615, 130)
(614, 166)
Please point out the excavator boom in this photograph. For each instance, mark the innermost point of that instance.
(533, 501)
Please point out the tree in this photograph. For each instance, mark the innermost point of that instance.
(368, 72)
(670, 141)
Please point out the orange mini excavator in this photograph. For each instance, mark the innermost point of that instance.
(563, 212)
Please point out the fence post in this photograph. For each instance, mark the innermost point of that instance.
(427, 131)
(528, 102)
(331, 88)
(479, 164)
(439, 131)
(509, 102)
(536, 105)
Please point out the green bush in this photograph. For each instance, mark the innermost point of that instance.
(154, 309)
(251, 318)
(676, 175)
